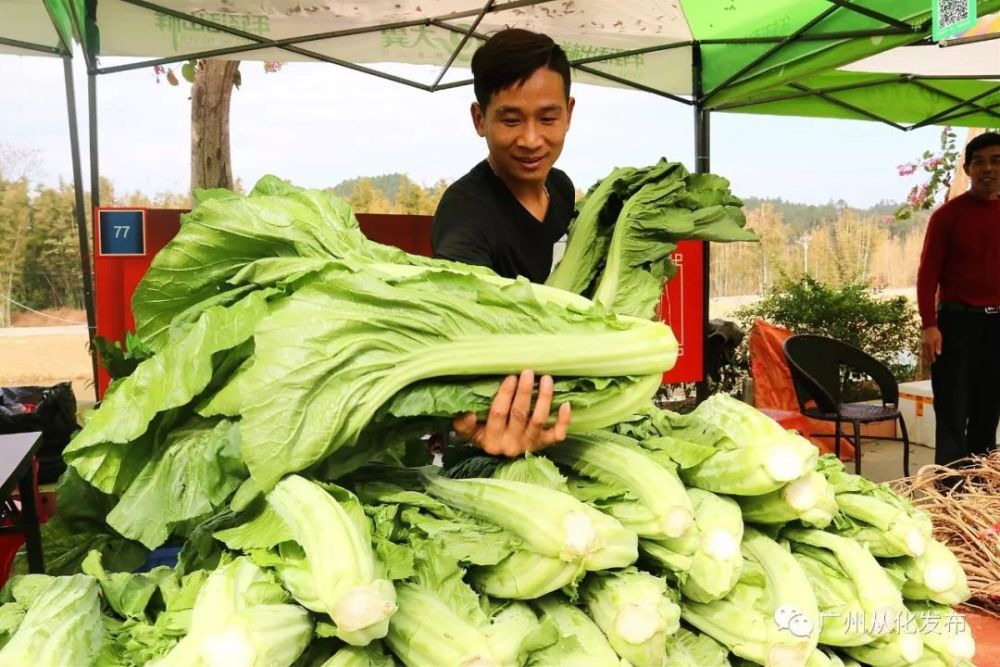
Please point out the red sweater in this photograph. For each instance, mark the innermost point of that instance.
(960, 261)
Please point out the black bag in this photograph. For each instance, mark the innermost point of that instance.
(51, 410)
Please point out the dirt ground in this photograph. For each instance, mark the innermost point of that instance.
(40, 350)
(56, 317)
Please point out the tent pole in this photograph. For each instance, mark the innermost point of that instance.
(80, 213)
(95, 176)
(702, 164)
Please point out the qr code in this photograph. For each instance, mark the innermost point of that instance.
(952, 12)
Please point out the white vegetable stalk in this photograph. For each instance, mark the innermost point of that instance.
(944, 634)
(916, 542)
(550, 522)
(677, 521)
(934, 575)
(721, 544)
(343, 567)
(620, 461)
(939, 577)
(635, 613)
(580, 535)
(784, 463)
(360, 608)
(962, 646)
(911, 647)
(801, 494)
(637, 622)
(228, 647)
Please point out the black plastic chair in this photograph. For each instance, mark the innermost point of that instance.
(816, 363)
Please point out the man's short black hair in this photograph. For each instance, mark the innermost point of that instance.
(510, 57)
(984, 140)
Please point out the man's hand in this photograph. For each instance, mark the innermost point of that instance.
(930, 345)
(512, 427)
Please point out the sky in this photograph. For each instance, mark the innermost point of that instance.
(318, 124)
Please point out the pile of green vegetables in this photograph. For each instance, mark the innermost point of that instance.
(276, 432)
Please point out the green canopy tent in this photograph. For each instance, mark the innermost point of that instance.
(856, 59)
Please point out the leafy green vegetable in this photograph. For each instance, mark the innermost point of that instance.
(809, 499)
(706, 561)
(934, 575)
(629, 223)
(874, 514)
(550, 522)
(241, 618)
(693, 649)
(753, 454)
(378, 338)
(106, 453)
(618, 460)
(880, 599)
(636, 613)
(62, 626)
(191, 474)
(442, 622)
(330, 567)
(581, 643)
(771, 615)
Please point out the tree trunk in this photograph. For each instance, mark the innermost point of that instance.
(959, 181)
(211, 162)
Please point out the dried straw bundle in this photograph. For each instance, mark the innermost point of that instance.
(964, 505)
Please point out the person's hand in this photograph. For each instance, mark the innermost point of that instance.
(930, 345)
(512, 427)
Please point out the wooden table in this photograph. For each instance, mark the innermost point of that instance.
(17, 454)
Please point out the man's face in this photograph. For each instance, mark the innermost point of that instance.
(525, 126)
(984, 172)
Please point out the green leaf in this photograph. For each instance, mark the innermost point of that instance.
(187, 71)
(170, 379)
(62, 626)
(126, 593)
(192, 474)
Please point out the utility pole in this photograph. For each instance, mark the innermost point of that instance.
(804, 242)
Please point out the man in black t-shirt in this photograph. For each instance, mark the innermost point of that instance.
(508, 212)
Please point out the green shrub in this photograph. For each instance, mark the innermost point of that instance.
(885, 327)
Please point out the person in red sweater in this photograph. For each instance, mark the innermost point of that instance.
(958, 295)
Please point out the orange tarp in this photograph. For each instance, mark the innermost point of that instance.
(773, 391)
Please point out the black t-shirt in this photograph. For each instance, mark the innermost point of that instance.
(480, 221)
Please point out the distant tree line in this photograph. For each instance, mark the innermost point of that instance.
(836, 244)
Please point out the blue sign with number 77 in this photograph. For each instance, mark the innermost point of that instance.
(122, 232)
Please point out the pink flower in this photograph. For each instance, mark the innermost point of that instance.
(918, 196)
(888, 219)
(157, 71)
(906, 169)
(273, 66)
(932, 163)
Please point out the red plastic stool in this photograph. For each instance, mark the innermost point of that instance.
(11, 543)
(789, 420)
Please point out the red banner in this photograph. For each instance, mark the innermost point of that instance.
(683, 308)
